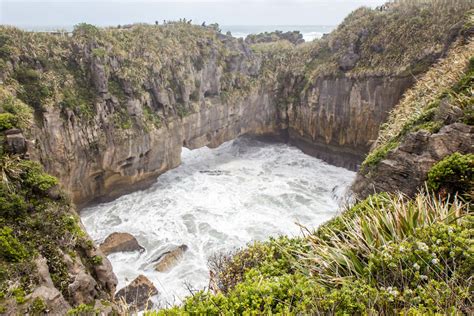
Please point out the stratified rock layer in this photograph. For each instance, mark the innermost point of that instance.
(340, 117)
(406, 168)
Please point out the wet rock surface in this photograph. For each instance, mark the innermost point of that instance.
(120, 242)
(169, 259)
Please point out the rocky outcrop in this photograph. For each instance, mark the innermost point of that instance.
(15, 142)
(405, 169)
(120, 242)
(294, 37)
(53, 299)
(137, 294)
(169, 259)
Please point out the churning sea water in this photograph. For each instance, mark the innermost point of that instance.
(216, 201)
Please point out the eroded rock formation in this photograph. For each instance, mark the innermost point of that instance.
(137, 294)
(120, 242)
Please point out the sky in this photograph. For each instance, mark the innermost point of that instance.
(225, 12)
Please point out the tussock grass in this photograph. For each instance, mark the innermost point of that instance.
(342, 253)
(427, 90)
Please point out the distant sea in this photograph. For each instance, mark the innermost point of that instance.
(310, 32)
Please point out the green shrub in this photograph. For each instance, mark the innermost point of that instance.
(10, 248)
(85, 29)
(83, 310)
(453, 174)
(38, 307)
(36, 178)
(7, 121)
(12, 205)
(18, 109)
(99, 52)
(33, 91)
(378, 155)
(19, 295)
(96, 260)
(386, 255)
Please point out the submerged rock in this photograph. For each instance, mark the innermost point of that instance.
(120, 242)
(169, 259)
(137, 294)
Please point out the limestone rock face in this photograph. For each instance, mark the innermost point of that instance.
(84, 288)
(169, 259)
(137, 294)
(120, 242)
(406, 168)
(338, 118)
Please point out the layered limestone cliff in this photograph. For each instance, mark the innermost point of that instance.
(108, 110)
(113, 107)
(340, 117)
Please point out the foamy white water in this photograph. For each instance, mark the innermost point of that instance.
(218, 200)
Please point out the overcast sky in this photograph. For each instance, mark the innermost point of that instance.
(224, 12)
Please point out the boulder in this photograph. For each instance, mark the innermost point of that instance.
(137, 294)
(15, 142)
(83, 289)
(169, 259)
(54, 302)
(120, 242)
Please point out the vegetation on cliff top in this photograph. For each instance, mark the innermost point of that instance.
(160, 68)
(402, 38)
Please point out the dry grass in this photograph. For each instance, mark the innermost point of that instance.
(427, 89)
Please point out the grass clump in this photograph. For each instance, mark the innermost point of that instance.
(13, 112)
(34, 91)
(38, 306)
(7, 121)
(83, 310)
